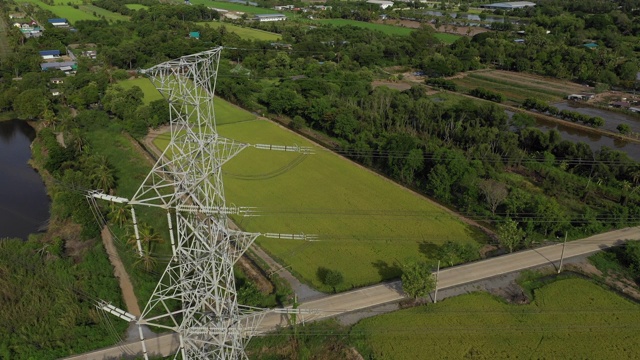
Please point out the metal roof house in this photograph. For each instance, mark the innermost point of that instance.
(194, 35)
(50, 54)
(509, 5)
(270, 17)
(58, 22)
(59, 65)
(383, 3)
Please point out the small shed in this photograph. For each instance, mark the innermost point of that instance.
(591, 46)
(194, 35)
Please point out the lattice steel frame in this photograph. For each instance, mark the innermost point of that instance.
(187, 182)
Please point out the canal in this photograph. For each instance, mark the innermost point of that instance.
(24, 204)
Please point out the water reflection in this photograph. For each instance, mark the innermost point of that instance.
(24, 204)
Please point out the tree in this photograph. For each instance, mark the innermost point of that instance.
(29, 104)
(329, 277)
(495, 193)
(623, 128)
(510, 235)
(417, 280)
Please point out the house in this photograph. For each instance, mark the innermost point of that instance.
(63, 65)
(383, 3)
(17, 16)
(519, 41)
(55, 92)
(508, 5)
(269, 17)
(621, 104)
(57, 81)
(58, 22)
(194, 35)
(634, 109)
(591, 46)
(283, 7)
(50, 54)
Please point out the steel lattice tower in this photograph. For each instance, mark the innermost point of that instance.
(186, 181)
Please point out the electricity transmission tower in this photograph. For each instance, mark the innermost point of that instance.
(196, 295)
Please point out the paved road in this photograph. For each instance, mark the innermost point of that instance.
(389, 292)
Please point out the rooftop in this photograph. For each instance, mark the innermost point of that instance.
(509, 5)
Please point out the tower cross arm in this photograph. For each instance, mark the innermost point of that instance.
(304, 237)
(288, 148)
(111, 198)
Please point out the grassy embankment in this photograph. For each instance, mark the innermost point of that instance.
(367, 225)
(83, 12)
(243, 32)
(387, 29)
(571, 318)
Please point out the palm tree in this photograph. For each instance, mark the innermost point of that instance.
(102, 177)
(119, 214)
(147, 261)
(148, 236)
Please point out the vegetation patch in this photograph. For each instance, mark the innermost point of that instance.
(571, 318)
(387, 29)
(77, 11)
(243, 32)
(136, 6)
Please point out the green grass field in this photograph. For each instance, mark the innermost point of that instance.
(367, 225)
(136, 6)
(568, 319)
(235, 7)
(387, 29)
(243, 32)
(84, 12)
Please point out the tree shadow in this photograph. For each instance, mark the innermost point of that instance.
(429, 249)
(387, 271)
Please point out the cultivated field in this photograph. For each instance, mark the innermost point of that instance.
(235, 7)
(568, 319)
(84, 12)
(387, 29)
(243, 32)
(518, 86)
(367, 225)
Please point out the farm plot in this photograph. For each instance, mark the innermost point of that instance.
(368, 226)
(83, 12)
(235, 7)
(243, 32)
(568, 319)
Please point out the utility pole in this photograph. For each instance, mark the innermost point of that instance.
(562, 253)
(196, 296)
(435, 295)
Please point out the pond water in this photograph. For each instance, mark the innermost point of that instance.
(595, 141)
(24, 204)
(611, 118)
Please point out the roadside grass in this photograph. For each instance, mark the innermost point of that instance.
(243, 32)
(570, 318)
(235, 7)
(136, 6)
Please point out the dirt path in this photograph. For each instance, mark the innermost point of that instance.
(130, 299)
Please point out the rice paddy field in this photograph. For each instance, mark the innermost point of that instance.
(387, 29)
(367, 225)
(516, 87)
(84, 12)
(235, 7)
(567, 319)
(243, 32)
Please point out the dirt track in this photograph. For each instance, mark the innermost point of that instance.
(130, 299)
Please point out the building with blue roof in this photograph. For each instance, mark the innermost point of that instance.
(58, 22)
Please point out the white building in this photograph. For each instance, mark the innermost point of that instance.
(383, 3)
(270, 17)
(509, 5)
